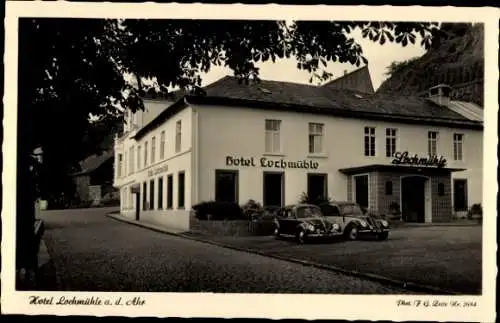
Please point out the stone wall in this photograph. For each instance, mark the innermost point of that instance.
(231, 228)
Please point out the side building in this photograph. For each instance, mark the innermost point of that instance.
(272, 141)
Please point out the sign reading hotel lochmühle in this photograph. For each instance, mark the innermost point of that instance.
(404, 158)
(270, 163)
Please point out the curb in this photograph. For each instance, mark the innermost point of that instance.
(373, 277)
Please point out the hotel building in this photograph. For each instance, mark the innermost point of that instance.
(271, 141)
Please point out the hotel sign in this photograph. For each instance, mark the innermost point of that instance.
(158, 170)
(404, 158)
(270, 163)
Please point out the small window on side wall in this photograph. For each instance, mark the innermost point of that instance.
(441, 189)
(388, 188)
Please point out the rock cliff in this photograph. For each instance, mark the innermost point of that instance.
(456, 60)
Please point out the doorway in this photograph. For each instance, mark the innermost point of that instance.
(273, 189)
(361, 191)
(137, 205)
(413, 198)
(317, 186)
(226, 186)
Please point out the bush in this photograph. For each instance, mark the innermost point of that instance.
(394, 211)
(475, 212)
(306, 199)
(214, 210)
(252, 210)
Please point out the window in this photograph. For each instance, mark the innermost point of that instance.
(153, 150)
(432, 137)
(131, 160)
(458, 140)
(170, 187)
(441, 189)
(181, 190)
(144, 195)
(388, 188)
(273, 136)
(390, 141)
(178, 134)
(145, 154)
(316, 138)
(120, 165)
(152, 194)
(139, 156)
(124, 164)
(369, 141)
(162, 144)
(460, 194)
(226, 186)
(160, 193)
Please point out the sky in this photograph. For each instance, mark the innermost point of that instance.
(379, 57)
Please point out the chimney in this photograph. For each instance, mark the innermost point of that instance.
(440, 94)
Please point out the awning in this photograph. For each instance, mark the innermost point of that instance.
(399, 169)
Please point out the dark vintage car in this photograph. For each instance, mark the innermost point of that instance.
(303, 222)
(353, 221)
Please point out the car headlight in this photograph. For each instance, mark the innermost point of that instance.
(336, 227)
(384, 223)
(363, 223)
(310, 227)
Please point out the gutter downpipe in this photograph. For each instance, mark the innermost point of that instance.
(194, 155)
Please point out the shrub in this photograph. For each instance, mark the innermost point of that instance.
(252, 210)
(214, 210)
(476, 211)
(306, 199)
(394, 211)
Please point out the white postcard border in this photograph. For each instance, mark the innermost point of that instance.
(308, 306)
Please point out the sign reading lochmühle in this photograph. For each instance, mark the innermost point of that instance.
(270, 163)
(158, 170)
(404, 158)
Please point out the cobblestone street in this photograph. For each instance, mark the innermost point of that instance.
(92, 252)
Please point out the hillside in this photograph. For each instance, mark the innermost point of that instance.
(457, 60)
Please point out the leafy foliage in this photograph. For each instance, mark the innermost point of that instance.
(316, 200)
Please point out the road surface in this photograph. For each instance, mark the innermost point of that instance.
(92, 252)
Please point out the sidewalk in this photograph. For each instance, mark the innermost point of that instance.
(412, 259)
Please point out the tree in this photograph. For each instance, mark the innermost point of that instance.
(69, 68)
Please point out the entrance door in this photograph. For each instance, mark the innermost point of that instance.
(316, 186)
(361, 190)
(413, 198)
(273, 189)
(137, 205)
(226, 186)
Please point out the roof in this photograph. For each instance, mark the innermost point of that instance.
(287, 96)
(93, 162)
(358, 80)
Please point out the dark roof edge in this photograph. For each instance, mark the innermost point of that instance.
(334, 112)
(171, 110)
(187, 99)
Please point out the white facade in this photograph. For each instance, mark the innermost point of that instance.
(212, 134)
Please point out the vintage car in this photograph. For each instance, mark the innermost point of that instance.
(353, 221)
(304, 222)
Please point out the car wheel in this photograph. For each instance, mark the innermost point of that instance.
(301, 237)
(383, 236)
(352, 233)
(277, 233)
